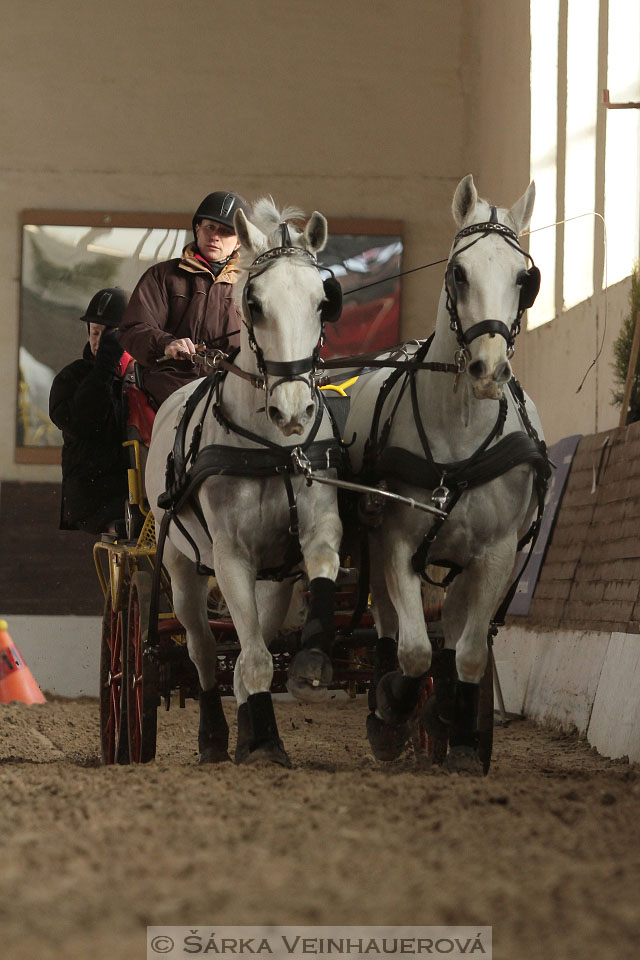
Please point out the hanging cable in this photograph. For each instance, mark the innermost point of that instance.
(590, 213)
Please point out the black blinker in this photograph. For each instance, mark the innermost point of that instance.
(530, 288)
(331, 307)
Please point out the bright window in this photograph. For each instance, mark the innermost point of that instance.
(570, 42)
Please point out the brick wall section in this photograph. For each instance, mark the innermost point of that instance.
(43, 570)
(590, 578)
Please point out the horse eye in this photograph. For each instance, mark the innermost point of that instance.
(254, 305)
(459, 274)
(520, 279)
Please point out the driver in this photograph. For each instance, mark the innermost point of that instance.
(182, 302)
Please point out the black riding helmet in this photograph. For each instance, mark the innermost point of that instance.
(220, 207)
(107, 307)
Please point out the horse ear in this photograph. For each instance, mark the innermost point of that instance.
(521, 211)
(316, 233)
(464, 200)
(248, 235)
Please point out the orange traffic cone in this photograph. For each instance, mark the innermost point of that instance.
(16, 680)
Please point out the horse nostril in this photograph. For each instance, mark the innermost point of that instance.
(477, 369)
(274, 414)
(502, 372)
(309, 412)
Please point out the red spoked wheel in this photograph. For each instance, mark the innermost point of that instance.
(113, 704)
(141, 674)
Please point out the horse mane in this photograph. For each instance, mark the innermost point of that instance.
(266, 216)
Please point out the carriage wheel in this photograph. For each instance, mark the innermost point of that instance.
(113, 704)
(485, 715)
(141, 675)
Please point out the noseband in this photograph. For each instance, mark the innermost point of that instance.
(528, 293)
(289, 370)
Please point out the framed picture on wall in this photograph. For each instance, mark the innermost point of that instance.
(68, 255)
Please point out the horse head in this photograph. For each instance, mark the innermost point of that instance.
(284, 305)
(488, 286)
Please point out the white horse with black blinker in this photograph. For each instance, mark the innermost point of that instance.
(268, 396)
(489, 283)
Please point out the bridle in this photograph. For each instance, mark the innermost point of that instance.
(528, 293)
(305, 368)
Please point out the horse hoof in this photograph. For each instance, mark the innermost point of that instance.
(271, 752)
(310, 674)
(387, 740)
(465, 760)
(213, 755)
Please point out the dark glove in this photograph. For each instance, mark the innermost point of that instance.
(109, 352)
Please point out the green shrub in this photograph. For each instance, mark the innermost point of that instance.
(622, 350)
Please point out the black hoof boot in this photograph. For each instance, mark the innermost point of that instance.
(244, 734)
(387, 740)
(397, 696)
(264, 741)
(213, 732)
(311, 670)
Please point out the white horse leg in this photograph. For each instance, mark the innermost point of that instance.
(272, 601)
(311, 670)
(398, 691)
(189, 591)
(470, 603)
(254, 667)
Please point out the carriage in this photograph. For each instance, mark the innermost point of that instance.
(226, 486)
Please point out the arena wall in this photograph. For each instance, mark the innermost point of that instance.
(574, 661)
(364, 109)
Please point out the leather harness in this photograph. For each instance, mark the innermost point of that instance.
(448, 481)
(188, 468)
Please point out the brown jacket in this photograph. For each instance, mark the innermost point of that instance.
(175, 299)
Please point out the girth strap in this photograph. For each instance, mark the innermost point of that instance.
(481, 468)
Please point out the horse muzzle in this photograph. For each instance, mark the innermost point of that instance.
(489, 377)
(290, 412)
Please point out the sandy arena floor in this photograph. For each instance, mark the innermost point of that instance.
(546, 849)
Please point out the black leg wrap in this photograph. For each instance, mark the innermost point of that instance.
(318, 632)
(263, 743)
(464, 730)
(213, 731)
(262, 720)
(445, 679)
(244, 733)
(397, 696)
(385, 661)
